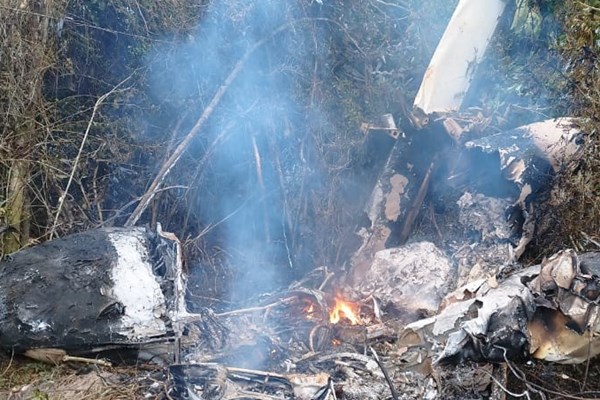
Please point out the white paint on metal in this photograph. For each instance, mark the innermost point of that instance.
(555, 138)
(136, 287)
(39, 326)
(459, 51)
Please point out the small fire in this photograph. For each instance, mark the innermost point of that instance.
(309, 310)
(344, 309)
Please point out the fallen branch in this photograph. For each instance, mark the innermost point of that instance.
(255, 309)
(59, 356)
(174, 158)
(385, 374)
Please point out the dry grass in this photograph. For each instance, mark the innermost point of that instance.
(22, 379)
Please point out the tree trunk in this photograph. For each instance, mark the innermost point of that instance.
(26, 36)
(16, 207)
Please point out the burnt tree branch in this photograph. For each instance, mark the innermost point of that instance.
(147, 197)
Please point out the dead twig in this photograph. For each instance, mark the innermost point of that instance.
(59, 356)
(326, 392)
(326, 279)
(286, 222)
(168, 165)
(255, 309)
(84, 360)
(501, 386)
(521, 376)
(264, 374)
(336, 356)
(588, 6)
(12, 357)
(182, 147)
(261, 184)
(97, 105)
(589, 355)
(590, 239)
(332, 388)
(412, 214)
(313, 334)
(200, 167)
(386, 375)
(174, 158)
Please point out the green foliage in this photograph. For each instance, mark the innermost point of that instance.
(39, 395)
(573, 214)
(521, 78)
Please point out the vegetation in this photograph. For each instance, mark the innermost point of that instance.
(573, 213)
(120, 84)
(95, 96)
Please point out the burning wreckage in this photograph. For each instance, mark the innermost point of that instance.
(411, 314)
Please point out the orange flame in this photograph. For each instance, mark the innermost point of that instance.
(309, 310)
(344, 309)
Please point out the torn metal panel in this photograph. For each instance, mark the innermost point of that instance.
(102, 289)
(488, 327)
(519, 164)
(500, 318)
(566, 326)
(552, 339)
(387, 125)
(553, 140)
(386, 207)
(548, 312)
(526, 156)
(457, 55)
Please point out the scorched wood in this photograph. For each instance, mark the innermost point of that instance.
(101, 289)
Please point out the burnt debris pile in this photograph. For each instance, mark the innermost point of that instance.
(434, 301)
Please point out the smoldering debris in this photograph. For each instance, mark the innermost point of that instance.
(548, 312)
(527, 157)
(288, 345)
(421, 276)
(111, 289)
(391, 329)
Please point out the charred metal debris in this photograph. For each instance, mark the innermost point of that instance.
(416, 313)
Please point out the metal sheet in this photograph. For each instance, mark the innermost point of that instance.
(459, 51)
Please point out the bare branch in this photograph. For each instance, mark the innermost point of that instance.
(178, 152)
(97, 105)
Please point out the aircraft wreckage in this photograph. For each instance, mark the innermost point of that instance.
(406, 310)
